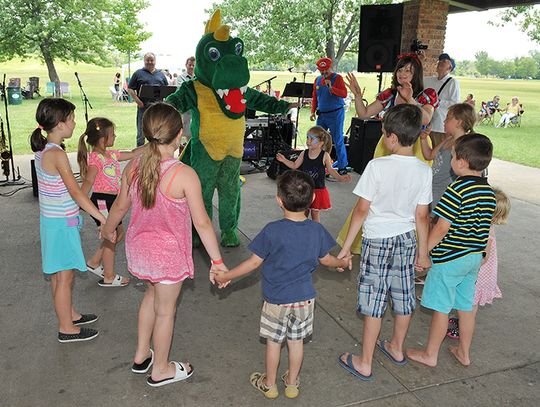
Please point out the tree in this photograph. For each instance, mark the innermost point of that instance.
(483, 63)
(527, 18)
(526, 67)
(127, 32)
(67, 30)
(295, 31)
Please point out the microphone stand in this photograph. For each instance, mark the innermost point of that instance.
(6, 156)
(300, 105)
(84, 98)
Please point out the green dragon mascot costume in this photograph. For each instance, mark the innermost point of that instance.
(218, 98)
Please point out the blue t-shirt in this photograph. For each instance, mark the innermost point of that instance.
(291, 252)
(143, 77)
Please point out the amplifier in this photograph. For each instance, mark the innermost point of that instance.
(365, 134)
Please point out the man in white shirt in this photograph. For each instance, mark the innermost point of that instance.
(184, 77)
(447, 89)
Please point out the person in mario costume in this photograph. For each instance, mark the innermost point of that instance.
(328, 104)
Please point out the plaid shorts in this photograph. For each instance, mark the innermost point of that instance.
(387, 268)
(292, 320)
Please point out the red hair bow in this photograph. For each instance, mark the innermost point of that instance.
(410, 55)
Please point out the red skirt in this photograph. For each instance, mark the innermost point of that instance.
(322, 199)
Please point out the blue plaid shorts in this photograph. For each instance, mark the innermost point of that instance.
(387, 270)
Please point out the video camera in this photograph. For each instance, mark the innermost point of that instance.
(417, 46)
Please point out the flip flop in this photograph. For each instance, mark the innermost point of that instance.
(117, 282)
(349, 367)
(98, 271)
(180, 374)
(382, 348)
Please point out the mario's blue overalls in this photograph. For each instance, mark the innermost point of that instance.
(331, 116)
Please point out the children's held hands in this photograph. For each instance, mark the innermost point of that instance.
(353, 85)
(425, 132)
(345, 178)
(216, 269)
(346, 262)
(422, 263)
(107, 234)
(220, 277)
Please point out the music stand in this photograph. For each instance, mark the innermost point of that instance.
(156, 92)
(299, 90)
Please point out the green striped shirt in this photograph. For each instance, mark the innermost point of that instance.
(468, 204)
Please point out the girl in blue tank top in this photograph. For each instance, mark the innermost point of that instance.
(316, 161)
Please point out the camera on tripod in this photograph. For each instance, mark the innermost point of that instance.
(417, 46)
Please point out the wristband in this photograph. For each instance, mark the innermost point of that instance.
(216, 262)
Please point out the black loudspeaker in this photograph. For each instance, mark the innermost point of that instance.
(365, 135)
(380, 37)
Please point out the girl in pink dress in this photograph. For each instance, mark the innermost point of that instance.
(164, 196)
(486, 285)
(100, 171)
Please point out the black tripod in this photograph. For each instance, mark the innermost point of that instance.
(84, 98)
(6, 146)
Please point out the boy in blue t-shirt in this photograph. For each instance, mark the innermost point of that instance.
(289, 250)
(457, 243)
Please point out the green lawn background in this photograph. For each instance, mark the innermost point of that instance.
(520, 145)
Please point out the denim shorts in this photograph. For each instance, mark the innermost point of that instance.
(451, 285)
(387, 270)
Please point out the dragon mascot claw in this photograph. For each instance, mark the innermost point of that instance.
(217, 98)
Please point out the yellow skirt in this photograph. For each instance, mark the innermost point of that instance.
(380, 151)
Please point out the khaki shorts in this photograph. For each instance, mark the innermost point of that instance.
(293, 321)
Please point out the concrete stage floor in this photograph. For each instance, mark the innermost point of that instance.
(217, 331)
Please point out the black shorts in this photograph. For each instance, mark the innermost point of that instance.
(98, 199)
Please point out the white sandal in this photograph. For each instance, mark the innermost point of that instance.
(117, 282)
(98, 271)
(181, 373)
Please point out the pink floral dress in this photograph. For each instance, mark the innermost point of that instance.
(486, 285)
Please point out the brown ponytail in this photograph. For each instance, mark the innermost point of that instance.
(161, 124)
(465, 113)
(96, 129)
(49, 113)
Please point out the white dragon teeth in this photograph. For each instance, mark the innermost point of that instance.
(228, 107)
(226, 91)
(243, 89)
(243, 101)
(220, 93)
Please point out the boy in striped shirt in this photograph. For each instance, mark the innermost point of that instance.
(457, 243)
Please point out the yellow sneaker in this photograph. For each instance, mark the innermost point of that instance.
(257, 380)
(291, 390)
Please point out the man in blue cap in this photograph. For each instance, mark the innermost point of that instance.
(447, 89)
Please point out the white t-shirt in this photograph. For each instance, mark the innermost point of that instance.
(449, 96)
(394, 185)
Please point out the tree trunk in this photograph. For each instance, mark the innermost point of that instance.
(53, 75)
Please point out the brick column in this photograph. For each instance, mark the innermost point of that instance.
(425, 20)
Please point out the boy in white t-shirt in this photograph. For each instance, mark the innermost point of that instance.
(394, 193)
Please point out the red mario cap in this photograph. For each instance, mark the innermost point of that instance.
(323, 64)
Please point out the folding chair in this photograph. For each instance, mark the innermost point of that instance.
(64, 89)
(516, 120)
(50, 89)
(486, 120)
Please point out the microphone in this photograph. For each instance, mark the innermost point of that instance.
(78, 79)
(294, 79)
(290, 69)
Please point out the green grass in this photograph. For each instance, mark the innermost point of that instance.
(520, 145)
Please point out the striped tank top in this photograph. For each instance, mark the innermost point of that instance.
(54, 198)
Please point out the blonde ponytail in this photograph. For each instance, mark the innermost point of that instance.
(148, 175)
